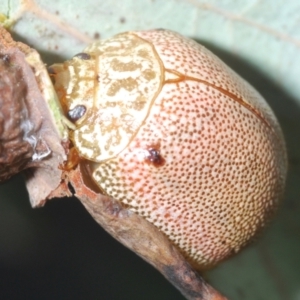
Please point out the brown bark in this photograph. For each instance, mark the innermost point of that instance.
(28, 134)
(16, 130)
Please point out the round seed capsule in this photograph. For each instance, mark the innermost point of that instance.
(177, 136)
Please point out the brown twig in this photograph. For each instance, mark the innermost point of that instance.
(144, 239)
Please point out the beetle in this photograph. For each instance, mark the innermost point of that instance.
(166, 128)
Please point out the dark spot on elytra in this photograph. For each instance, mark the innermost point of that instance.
(154, 157)
(83, 56)
(76, 113)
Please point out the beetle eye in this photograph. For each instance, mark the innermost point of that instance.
(83, 56)
(76, 113)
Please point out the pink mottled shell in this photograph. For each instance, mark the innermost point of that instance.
(207, 165)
